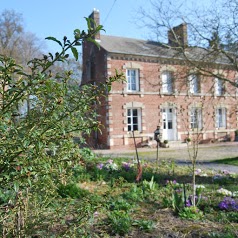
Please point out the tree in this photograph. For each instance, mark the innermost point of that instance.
(14, 41)
(204, 39)
(212, 33)
(37, 148)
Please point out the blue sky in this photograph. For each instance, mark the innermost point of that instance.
(59, 18)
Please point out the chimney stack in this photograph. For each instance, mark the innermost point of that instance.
(96, 18)
(178, 36)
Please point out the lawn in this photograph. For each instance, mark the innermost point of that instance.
(230, 161)
(102, 199)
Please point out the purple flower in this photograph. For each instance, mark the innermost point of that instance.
(100, 166)
(188, 203)
(126, 166)
(228, 203)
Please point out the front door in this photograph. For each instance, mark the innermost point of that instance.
(169, 124)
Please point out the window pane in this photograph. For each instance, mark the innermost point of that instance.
(134, 112)
(135, 127)
(135, 120)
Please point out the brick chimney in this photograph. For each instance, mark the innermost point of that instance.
(178, 36)
(96, 17)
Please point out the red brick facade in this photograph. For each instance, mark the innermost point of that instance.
(180, 112)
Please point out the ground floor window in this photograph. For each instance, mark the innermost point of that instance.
(134, 119)
(221, 117)
(196, 118)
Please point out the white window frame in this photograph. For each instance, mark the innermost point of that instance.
(194, 84)
(132, 80)
(221, 117)
(167, 82)
(196, 118)
(133, 119)
(219, 87)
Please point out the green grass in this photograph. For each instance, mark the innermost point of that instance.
(230, 161)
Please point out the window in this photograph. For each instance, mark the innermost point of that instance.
(219, 87)
(167, 82)
(194, 84)
(133, 119)
(196, 118)
(132, 76)
(221, 117)
(27, 105)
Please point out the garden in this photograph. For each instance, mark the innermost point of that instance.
(102, 199)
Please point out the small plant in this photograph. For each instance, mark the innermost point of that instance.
(110, 165)
(228, 204)
(120, 222)
(149, 185)
(72, 190)
(166, 142)
(145, 225)
(119, 204)
(187, 140)
(134, 195)
(191, 213)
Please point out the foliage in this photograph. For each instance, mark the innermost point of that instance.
(191, 213)
(145, 225)
(120, 222)
(39, 114)
(71, 190)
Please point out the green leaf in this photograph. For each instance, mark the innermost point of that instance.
(89, 20)
(93, 41)
(29, 182)
(16, 186)
(54, 39)
(75, 53)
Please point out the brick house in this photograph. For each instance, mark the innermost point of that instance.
(160, 89)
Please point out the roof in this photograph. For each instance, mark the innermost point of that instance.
(123, 45)
(130, 46)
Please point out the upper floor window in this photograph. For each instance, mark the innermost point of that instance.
(133, 119)
(132, 76)
(167, 82)
(221, 117)
(219, 87)
(194, 84)
(196, 118)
